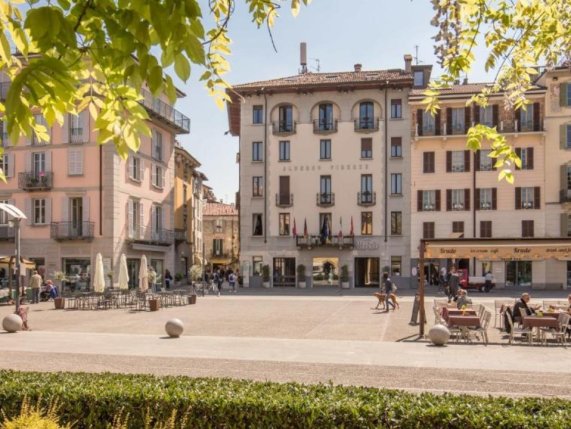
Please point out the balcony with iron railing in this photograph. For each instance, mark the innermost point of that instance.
(164, 111)
(565, 196)
(180, 235)
(367, 125)
(221, 254)
(30, 181)
(62, 231)
(325, 199)
(284, 200)
(513, 126)
(283, 128)
(327, 126)
(317, 241)
(7, 233)
(148, 235)
(366, 198)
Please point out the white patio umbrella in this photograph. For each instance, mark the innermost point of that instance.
(123, 273)
(143, 275)
(98, 275)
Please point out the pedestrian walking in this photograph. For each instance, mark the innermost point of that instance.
(453, 284)
(36, 284)
(232, 282)
(388, 285)
(220, 281)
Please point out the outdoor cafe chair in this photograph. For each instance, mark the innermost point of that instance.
(437, 316)
(499, 306)
(555, 303)
(559, 334)
(481, 310)
(517, 330)
(484, 324)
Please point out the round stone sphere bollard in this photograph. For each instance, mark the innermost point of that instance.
(439, 335)
(174, 328)
(12, 323)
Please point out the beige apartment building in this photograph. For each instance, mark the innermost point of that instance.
(456, 192)
(81, 198)
(324, 167)
(221, 235)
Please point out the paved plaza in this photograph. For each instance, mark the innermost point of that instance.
(306, 336)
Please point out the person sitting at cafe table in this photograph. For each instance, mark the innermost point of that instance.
(463, 299)
(523, 303)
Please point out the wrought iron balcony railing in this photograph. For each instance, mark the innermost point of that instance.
(324, 126)
(366, 198)
(148, 235)
(165, 111)
(283, 128)
(7, 232)
(325, 199)
(284, 200)
(72, 230)
(180, 234)
(367, 124)
(30, 181)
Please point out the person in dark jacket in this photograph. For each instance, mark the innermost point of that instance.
(453, 284)
(388, 286)
(523, 304)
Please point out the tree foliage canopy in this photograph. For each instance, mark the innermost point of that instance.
(98, 54)
(518, 35)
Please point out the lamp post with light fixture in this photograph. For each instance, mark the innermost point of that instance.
(16, 216)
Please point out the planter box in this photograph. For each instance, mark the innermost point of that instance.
(59, 303)
(301, 285)
(192, 299)
(266, 285)
(344, 285)
(154, 305)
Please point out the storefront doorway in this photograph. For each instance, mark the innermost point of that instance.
(78, 274)
(367, 272)
(518, 273)
(133, 266)
(284, 272)
(325, 272)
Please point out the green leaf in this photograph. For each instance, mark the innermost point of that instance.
(182, 67)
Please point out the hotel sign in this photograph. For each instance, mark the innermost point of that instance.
(497, 251)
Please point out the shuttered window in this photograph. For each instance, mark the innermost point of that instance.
(75, 162)
(428, 230)
(486, 229)
(428, 162)
(527, 228)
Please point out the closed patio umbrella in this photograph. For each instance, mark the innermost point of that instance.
(143, 275)
(98, 275)
(123, 273)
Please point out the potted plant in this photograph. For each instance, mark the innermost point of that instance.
(266, 276)
(301, 276)
(345, 277)
(178, 279)
(59, 301)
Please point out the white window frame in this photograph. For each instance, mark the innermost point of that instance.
(457, 199)
(486, 199)
(418, 78)
(487, 116)
(457, 163)
(3, 214)
(429, 200)
(458, 125)
(486, 163)
(284, 150)
(528, 198)
(396, 184)
(428, 122)
(39, 211)
(158, 176)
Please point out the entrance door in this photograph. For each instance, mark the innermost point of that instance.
(133, 266)
(325, 272)
(284, 190)
(284, 271)
(518, 273)
(38, 163)
(367, 272)
(76, 210)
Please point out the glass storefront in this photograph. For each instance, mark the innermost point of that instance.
(518, 273)
(367, 272)
(78, 274)
(133, 266)
(284, 271)
(325, 271)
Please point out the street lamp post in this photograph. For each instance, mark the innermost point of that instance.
(16, 216)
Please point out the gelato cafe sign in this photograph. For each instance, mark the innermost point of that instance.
(490, 251)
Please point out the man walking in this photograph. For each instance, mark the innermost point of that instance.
(36, 284)
(232, 281)
(453, 282)
(388, 285)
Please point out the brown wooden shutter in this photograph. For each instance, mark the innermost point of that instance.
(518, 198)
(537, 197)
(563, 180)
(536, 117)
(448, 161)
(466, 160)
(448, 121)
(494, 198)
(448, 199)
(367, 143)
(564, 225)
(437, 200)
(476, 114)
(425, 162)
(477, 199)
(419, 121)
(467, 119)
(495, 115)
(477, 161)
(437, 119)
(419, 201)
(517, 117)
(518, 153)
(563, 94)
(530, 158)
(466, 199)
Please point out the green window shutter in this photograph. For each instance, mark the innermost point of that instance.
(564, 225)
(563, 136)
(563, 94)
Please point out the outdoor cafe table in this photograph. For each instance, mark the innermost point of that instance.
(463, 323)
(536, 322)
(447, 312)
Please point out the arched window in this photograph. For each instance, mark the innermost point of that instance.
(366, 115)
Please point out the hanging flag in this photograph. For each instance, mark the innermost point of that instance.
(351, 232)
(305, 228)
(294, 231)
(340, 228)
(325, 230)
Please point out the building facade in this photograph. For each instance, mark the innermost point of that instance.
(456, 192)
(324, 168)
(81, 198)
(221, 235)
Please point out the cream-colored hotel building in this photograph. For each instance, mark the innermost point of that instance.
(351, 161)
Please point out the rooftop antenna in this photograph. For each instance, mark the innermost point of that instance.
(416, 60)
(303, 57)
(317, 67)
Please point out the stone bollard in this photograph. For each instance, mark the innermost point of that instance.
(174, 328)
(439, 335)
(12, 323)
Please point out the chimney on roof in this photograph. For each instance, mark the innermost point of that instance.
(408, 63)
(465, 81)
(358, 67)
(303, 57)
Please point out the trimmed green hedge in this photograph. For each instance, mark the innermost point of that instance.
(93, 400)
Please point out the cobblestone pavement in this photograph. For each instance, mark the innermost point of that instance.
(286, 337)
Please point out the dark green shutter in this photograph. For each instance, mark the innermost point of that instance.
(563, 95)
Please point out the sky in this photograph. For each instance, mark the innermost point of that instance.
(339, 33)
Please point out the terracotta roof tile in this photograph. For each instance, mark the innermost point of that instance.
(220, 209)
(469, 88)
(311, 79)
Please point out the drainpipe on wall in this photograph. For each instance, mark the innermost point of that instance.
(386, 156)
(473, 196)
(100, 189)
(265, 166)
